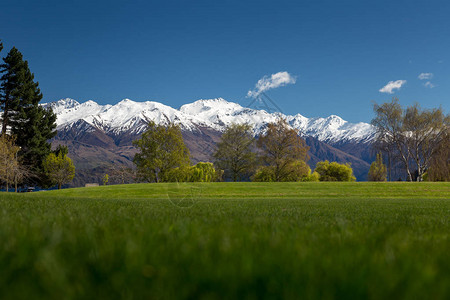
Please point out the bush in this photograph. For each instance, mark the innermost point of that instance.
(314, 176)
(334, 171)
(177, 175)
(296, 171)
(264, 174)
(201, 172)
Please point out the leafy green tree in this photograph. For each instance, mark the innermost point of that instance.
(161, 149)
(334, 171)
(22, 116)
(281, 146)
(235, 152)
(9, 165)
(59, 168)
(378, 170)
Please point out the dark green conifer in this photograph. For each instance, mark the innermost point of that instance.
(12, 69)
(22, 116)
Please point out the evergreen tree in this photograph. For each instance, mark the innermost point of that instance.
(12, 69)
(378, 170)
(61, 149)
(22, 116)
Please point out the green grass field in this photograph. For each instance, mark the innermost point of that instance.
(228, 240)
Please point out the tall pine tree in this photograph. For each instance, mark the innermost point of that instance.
(22, 116)
(10, 87)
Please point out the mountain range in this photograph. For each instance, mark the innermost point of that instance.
(99, 137)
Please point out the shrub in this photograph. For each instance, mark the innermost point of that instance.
(334, 171)
(296, 171)
(314, 176)
(201, 172)
(264, 174)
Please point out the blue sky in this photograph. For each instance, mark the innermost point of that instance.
(341, 53)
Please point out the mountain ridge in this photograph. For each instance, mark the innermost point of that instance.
(212, 113)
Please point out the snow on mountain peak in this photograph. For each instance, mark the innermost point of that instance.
(204, 105)
(68, 102)
(60, 105)
(215, 113)
(90, 103)
(126, 101)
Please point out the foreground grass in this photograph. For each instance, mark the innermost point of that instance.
(225, 240)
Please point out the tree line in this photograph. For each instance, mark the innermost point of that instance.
(280, 154)
(26, 127)
(412, 143)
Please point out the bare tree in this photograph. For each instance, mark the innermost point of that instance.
(413, 134)
(425, 130)
(122, 174)
(440, 162)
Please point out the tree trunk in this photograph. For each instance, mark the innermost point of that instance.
(389, 166)
(5, 117)
(59, 186)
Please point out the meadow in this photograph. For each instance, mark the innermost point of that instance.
(312, 240)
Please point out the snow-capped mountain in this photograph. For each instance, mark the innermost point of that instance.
(131, 117)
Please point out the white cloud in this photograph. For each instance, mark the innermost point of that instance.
(428, 84)
(425, 76)
(274, 81)
(392, 85)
